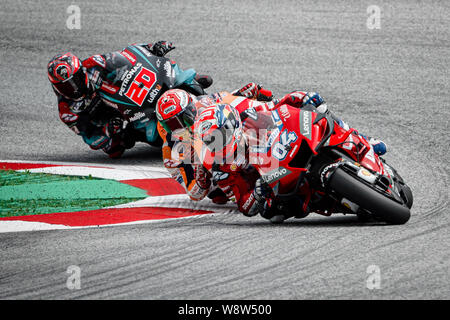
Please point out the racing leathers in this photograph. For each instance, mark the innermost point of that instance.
(99, 121)
(239, 179)
(179, 158)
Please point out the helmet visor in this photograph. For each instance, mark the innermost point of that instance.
(74, 88)
(182, 122)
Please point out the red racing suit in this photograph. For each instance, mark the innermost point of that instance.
(193, 177)
(237, 179)
(186, 172)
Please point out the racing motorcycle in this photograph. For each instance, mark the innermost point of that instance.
(313, 164)
(137, 79)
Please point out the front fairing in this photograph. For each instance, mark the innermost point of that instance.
(274, 139)
(356, 147)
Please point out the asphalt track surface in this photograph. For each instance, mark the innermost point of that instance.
(392, 83)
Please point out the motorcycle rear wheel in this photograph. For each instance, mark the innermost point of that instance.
(375, 202)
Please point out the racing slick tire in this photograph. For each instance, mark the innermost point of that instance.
(373, 201)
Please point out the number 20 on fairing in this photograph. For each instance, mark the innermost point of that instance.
(141, 86)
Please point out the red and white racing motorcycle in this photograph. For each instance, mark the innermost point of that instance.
(321, 166)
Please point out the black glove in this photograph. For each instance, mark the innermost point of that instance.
(262, 191)
(114, 127)
(161, 48)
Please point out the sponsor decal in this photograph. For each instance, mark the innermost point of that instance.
(273, 136)
(249, 202)
(154, 93)
(129, 56)
(168, 69)
(276, 119)
(99, 60)
(252, 114)
(77, 106)
(127, 78)
(124, 73)
(95, 76)
(229, 193)
(270, 105)
(285, 112)
(305, 124)
(118, 74)
(205, 126)
(275, 175)
(69, 117)
(109, 88)
(282, 147)
(169, 109)
(137, 116)
(111, 104)
(258, 149)
(219, 176)
(324, 175)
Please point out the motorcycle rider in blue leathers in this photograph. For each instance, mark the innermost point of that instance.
(84, 108)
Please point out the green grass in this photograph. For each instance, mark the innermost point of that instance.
(14, 178)
(26, 193)
(13, 208)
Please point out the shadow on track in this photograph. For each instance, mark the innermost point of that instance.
(142, 154)
(315, 222)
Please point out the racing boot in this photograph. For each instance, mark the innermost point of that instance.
(204, 80)
(218, 196)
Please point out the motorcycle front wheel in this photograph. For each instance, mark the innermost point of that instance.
(381, 206)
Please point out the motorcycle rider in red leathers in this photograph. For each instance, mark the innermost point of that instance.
(98, 121)
(237, 179)
(232, 175)
(176, 112)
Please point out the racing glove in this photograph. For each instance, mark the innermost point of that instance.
(202, 177)
(114, 127)
(314, 99)
(161, 48)
(254, 91)
(261, 193)
(114, 149)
